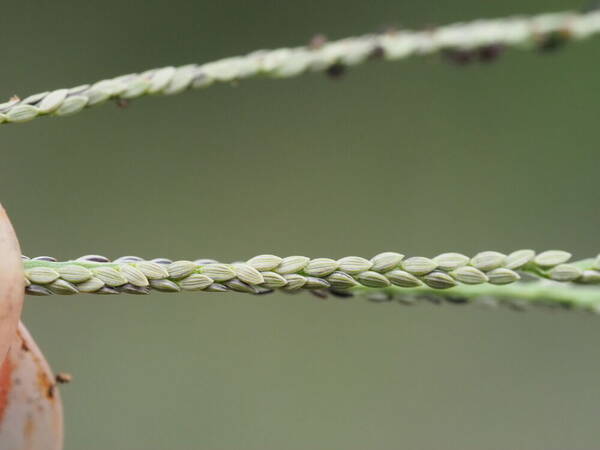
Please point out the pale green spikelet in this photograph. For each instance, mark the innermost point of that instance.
(489, 260)
(134, 275)
(439, 280)
(74, 273)
(248, 274)
(321, 267)
(292, 264)
(373, 279)
(341, 280)
(354, 264)
(273, 280)
(451, 261)
(418, 265)
(551, 258)
(386, 261)
(195, 282)
(403, 278)
(181, 269)
(41, 275)
(218, 272)
(502, 275)
(565, 272)
(264, 262)
(110, 276)
(469, 275)
(519, 258)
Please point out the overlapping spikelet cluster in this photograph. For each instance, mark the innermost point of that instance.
(459, 42)
(265, 273)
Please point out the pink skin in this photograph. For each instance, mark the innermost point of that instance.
(30, 404)
(11, 283)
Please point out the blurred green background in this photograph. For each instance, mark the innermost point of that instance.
(418, 156)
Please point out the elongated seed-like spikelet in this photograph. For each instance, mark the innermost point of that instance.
(341, 280)
(41, 275)
(181, 269)
(218, 272)
(292, 264)
(217, 287)
(590, 277)
(92, 285)
(501, 275)
(152, 270)
(165, 285)
(418, 265)
(63, 287)
(273, 280)
(52, 101)
(552, 258)
(439, 280)
(403, 278)
(264, 262)
(386, 261)
(487, 261)
(21, 113)
(354, 264)
(316, 283)
(248, 274)
(469, 275)
(294, 281)
(134, 276)
(110, 276)
(565, 272)
(373, 279)
(239, 286)
(196, 282)
(74, 273)
(71, 105)
(519, 258)
(451, 261)
(321, 267)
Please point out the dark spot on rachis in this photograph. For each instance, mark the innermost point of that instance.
(122, 102)
(336, 71)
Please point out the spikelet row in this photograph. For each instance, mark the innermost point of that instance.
(265, 273)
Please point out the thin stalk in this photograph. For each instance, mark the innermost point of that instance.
(480, 40)
(519, 296)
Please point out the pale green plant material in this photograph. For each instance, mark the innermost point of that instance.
(517, 32)
(446, 276)
(521, 277)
